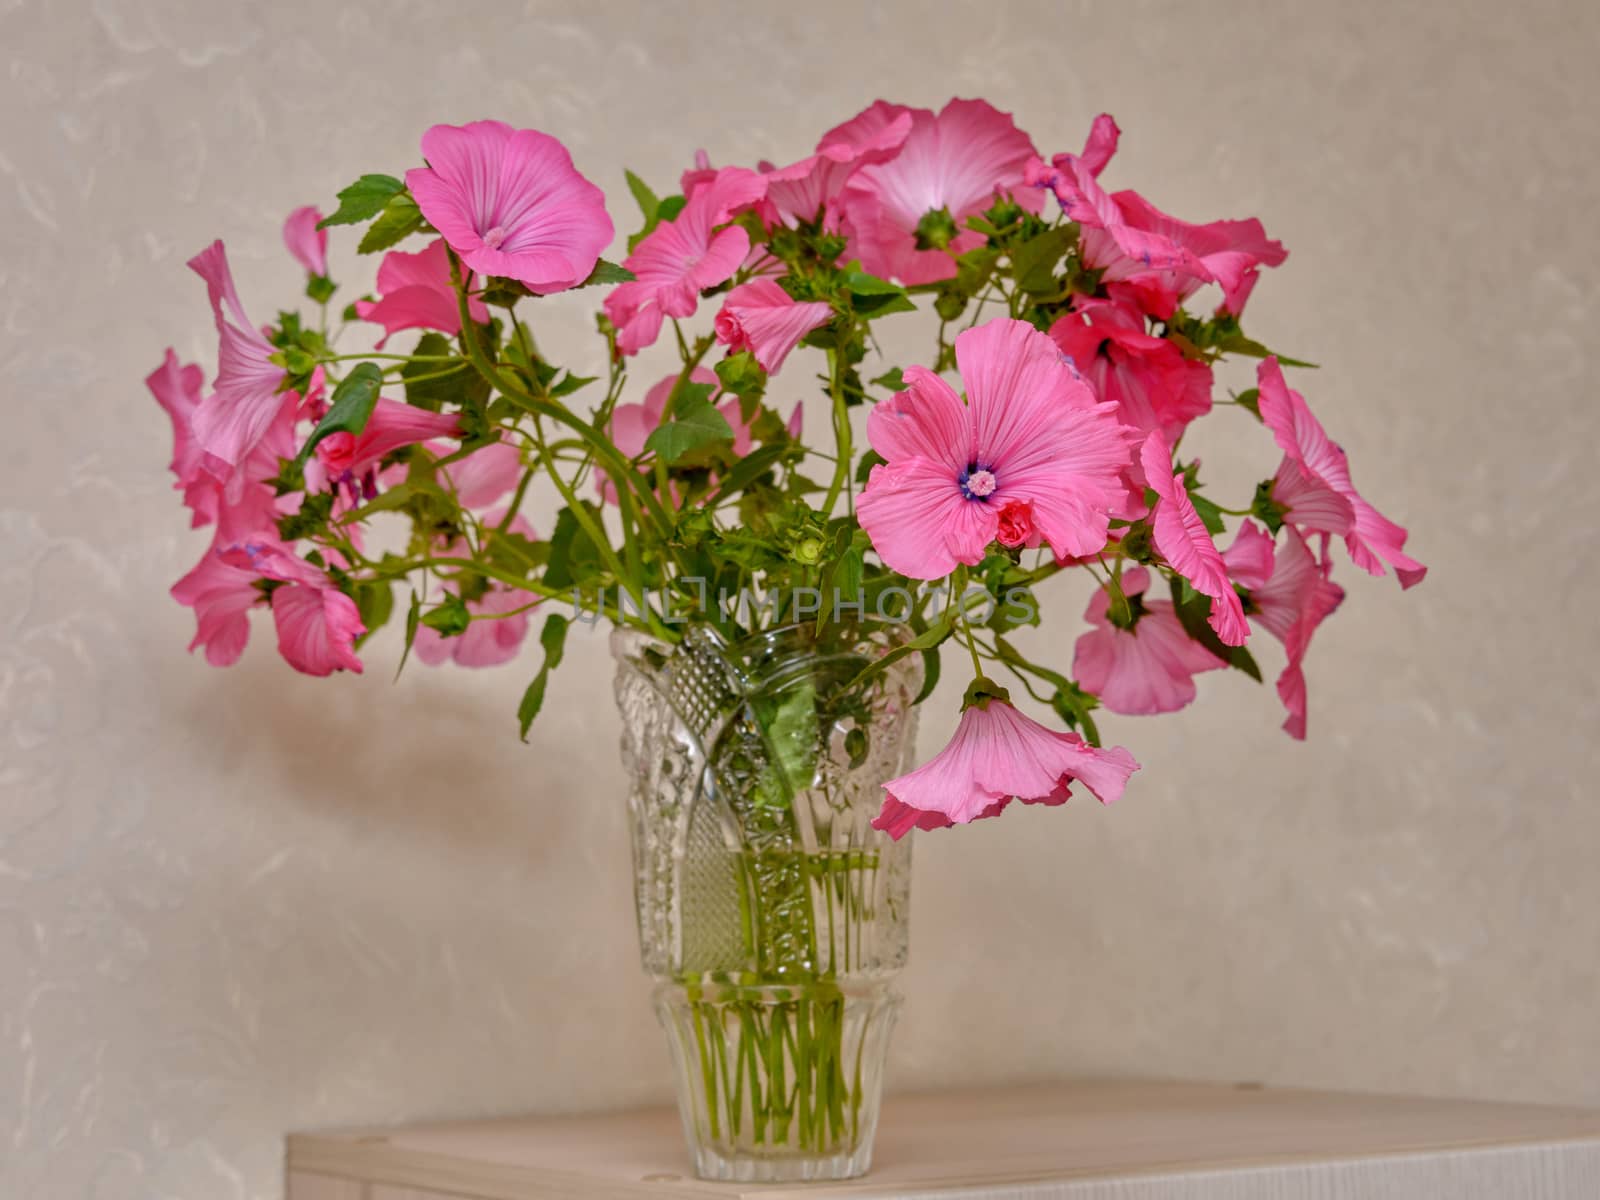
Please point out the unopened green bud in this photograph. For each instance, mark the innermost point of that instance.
(936, 230)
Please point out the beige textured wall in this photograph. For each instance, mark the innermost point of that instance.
(232, 903)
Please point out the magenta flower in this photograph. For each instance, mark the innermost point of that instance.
(1289, 595)
(1146, 257)
(1031, 431)
(415, 293)
(1183, 540)
(1149, 380)
(305, 241)
(762, 318)
(810, 189)
(1315, 462)
(246, 399)
(1149, 668)
(351, 460)
(952, 164)
(998, 755)
(683, 257)
(510, 203)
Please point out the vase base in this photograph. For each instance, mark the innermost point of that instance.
(780, 1167)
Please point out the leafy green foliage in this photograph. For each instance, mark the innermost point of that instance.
(449, 618)
(697, 423)
(363, 200)
(553, 640)
(349, 409)
(399, 219)
(607, 273)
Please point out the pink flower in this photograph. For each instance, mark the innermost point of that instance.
(510, 203)
(1317, 463)
(1147, 257)
(415, 293)
(1149, 380)
(1149, 668)
(1015, 525)
(352, 459)
(683, 257)
(954, 163)
(317, 623)
(1184, 542)
(221, 595)
(1030, 431)
(177, 388)
(809, 190)
(998, 755)
(306, 242)
(762, 318)
(1289, 599)
(236, 416)
(490, 640)
(486, 474)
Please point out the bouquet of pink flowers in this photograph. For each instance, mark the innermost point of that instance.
(1077, 330)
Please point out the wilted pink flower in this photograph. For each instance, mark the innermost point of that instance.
(1149, 668)
(414, 292)
(1289, 599)
(1149, 380)
(1031, 431)
(317, 623)
(1146, 257)
(809, 190)
(995, 756)
(683, 257)
(954, 163)
(510, 203)
(246, 399)
(1319, 463)
(351, 460)
(762, 318)
(306, 242)
(1184, 542)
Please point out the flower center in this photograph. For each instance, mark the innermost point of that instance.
(494, 237)
(977, 483)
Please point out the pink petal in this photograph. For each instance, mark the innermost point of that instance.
(762, 317)
(1250, 559)
(305, 241)
(1148, 669)
(238, 414)
(1183, 541)
(927, 419)
(486, 474)
(317, 628)
(919, 522)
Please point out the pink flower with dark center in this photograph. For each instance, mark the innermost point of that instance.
(306, 242)
(1031, 431)
(246, 399)
(1314, 464)
(998, 755)
(809, 190)
(683, 257)
(1183, 540)
(1149, 380)
(1149, 668)
(762, 318)
(510, 203)
(415, 293)
(905, 217)
(351, 460)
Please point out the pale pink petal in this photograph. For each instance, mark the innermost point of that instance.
(221, 595)
(1250, 559)
(919, 522)
(317, 628)
(486, 474)
(1101, 144)
(1309, 502)
(761, 317)
(511, 204)
(245, 402)
(177, 388)
(1181, 537)
(305, 241)
(416, 293)
(1144, 670)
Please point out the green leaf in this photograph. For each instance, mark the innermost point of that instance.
(450, 618)
(570, 383)
(696, 425)
(363, 199)
(1210, 515)
(374, 601)
(553, 639)
(413, 620)
(350, 408)
(688, 397)
(320, 288)
(574, 558)
(1250, 400)
(400, 219)
(608, 272)
(931, 661)
(935, 635)
(750, 468)
(643, 196)
(892, 380)
(869, 459)
(742, 375)
(874, 297)
(1033, 262)
(432, 385)
(670, 207)
(1194, 611)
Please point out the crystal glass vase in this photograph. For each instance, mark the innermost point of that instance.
(772, 916)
